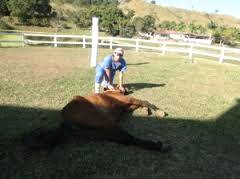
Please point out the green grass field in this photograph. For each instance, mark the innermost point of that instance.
(6, 40)
(201, 99)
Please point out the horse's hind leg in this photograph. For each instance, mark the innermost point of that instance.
(118, 135)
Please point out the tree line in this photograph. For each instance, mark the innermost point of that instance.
(220, 34)
(112, 20)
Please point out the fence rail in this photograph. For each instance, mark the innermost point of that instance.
(191, 49)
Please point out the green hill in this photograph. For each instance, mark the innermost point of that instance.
(63, 23)
(161, 14)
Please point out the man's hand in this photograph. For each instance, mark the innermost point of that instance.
(110, 87)
(122, 89)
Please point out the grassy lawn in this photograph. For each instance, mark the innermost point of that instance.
(17, 38)
(201, 98)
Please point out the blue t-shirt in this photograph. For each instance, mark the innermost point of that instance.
(109, 63)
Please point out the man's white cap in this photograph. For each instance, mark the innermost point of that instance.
(119, 50)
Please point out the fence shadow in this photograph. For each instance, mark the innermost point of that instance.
(207, 147)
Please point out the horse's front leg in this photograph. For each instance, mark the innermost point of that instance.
(147, 107)
(142, 103)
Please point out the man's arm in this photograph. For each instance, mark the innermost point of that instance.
(109, 80)
(108, 73)
(120, 79)
(121, 87)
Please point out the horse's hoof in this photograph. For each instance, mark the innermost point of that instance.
(143, 112)
(160, 114)
(2, 155)
(166, 148)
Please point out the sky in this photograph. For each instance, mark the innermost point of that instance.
(229, 7)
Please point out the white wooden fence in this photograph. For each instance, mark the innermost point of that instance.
(190, 49)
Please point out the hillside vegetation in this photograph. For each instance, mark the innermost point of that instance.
(161, 14)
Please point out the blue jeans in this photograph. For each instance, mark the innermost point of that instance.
(101, 75)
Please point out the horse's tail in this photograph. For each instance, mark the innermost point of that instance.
(44, 138)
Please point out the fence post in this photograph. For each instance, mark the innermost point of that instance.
(111, 43)
(191, 52)
(94, 41)
(55, 40)
(137, 44)
(221, 54)
(84, 41)
(164, 48)
(23, 40)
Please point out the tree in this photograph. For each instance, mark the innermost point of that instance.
(230, 35)
(111, 20)
(128, 30)
(181, 26)
(81, 18)
(138, 23)
(217, 36)
(26, 10)
(212, 25)
(91, 2)
(130, 14)
(3, 8)
(153, 2)
(168, 25)
(196, 28)
(149, 24)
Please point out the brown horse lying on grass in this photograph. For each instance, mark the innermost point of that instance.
(98, 114)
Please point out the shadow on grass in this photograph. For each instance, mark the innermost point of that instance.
(206, 149)
(138, 86)
(142, 63)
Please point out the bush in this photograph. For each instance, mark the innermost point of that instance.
(28, 11)
(128, 30)
(3, 8)
(5, 26)
(149, 24)
(44, 22)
